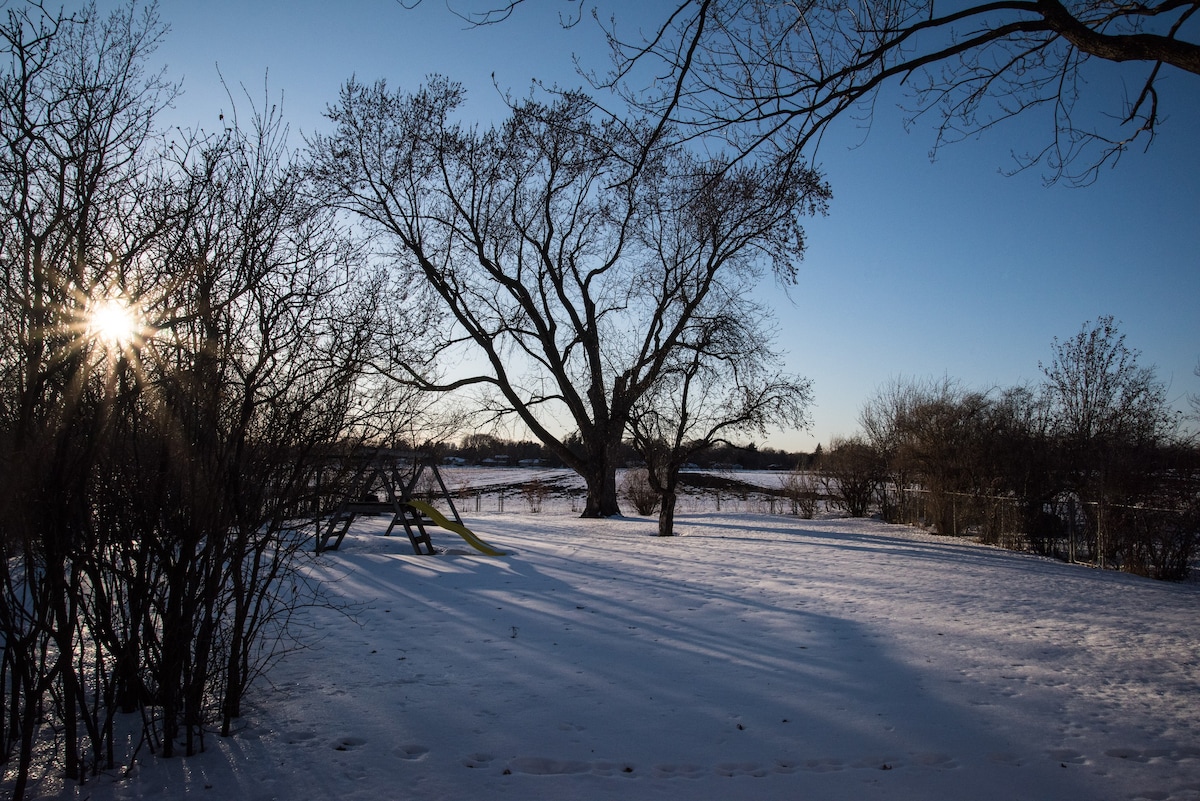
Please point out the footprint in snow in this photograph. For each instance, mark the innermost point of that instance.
(1068, 756)
(741, 769)
(477, 760)
(935, 759)
(539, 766)
(612, 769)
(411, 751)
(669, 771)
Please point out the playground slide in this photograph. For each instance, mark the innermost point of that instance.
(461, 530)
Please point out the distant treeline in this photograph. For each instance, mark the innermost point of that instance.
(475, 449)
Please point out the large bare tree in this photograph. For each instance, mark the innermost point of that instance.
(572, 248)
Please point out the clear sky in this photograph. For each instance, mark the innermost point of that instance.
(921, 269)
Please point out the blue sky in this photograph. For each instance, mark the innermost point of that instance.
(921, 269)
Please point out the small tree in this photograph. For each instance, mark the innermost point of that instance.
(719, 384)
(535, 493)
(930, 432)
(1111, 420)
(1020, 463)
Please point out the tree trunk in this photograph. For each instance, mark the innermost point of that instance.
(599, 472)
(666, 513)
(601, 479)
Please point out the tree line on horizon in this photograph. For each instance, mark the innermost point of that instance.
(475, 448)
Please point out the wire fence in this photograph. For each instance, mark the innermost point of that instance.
(1160, 542)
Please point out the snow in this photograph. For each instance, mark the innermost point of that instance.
(754, 656)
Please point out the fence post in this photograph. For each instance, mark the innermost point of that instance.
(1071, 530)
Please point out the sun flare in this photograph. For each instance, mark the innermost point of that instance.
(114, 322)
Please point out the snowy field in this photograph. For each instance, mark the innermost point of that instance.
(480, 490)
(752, 657)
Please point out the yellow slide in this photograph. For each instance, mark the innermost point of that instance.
(459, 529)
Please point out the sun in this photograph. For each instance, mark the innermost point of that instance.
(114, 323)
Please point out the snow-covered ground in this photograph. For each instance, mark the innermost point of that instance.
(481, 490)
(752, 657)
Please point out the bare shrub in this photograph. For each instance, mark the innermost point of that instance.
(852, 473)
(635, 487)
(800, 488)
(534, 493)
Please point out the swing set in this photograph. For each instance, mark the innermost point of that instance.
(380, 486)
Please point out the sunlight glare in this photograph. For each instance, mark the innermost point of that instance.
(114, 323)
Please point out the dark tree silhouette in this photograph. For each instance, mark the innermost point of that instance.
(766, 74)
(572, 249)
(149, 467)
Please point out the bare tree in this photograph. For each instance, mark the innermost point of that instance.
(1101, 394)
(780, 73)
(75, 124)
(1022, 459)
(260, 324)
(880, 419)
(800, 488)
(719, 384)
(1111, 420)
(766, 73)
(182, 335)
(572, 249)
